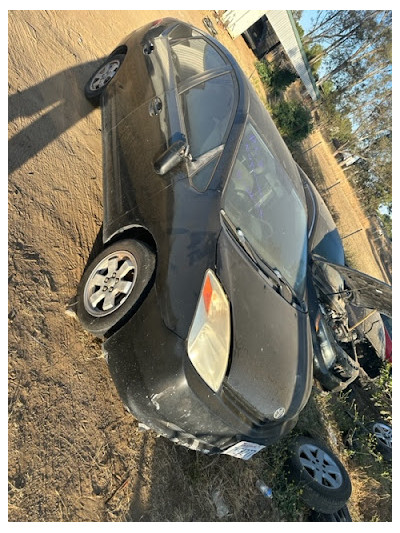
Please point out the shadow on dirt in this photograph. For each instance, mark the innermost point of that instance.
(58, 102)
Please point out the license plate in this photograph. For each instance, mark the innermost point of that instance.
(244, 450)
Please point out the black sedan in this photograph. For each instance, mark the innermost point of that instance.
(200, 292)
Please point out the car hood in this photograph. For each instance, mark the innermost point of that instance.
(271, 358)
(365, 291)
(368, 324)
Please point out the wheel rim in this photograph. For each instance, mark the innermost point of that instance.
(383, 433)
(320, 466)
(110, 283)
(104, 75)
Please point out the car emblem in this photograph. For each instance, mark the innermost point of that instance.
(279, 412)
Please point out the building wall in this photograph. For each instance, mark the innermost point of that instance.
(238, 21)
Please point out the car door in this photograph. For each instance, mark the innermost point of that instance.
(207, 100)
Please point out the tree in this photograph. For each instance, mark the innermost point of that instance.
(356, 45)
(297, 14)
(356, 88)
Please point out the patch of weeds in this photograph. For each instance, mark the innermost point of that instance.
(264, 71)
(286, 493)
(350, 411)
(312, 421)
(382, 392)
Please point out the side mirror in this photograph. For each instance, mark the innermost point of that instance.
(174, 155)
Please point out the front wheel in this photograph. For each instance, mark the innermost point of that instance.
(114, 285)
(326, 486)
(102, 77)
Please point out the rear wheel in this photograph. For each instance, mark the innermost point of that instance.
(102, 77)
(114, 285)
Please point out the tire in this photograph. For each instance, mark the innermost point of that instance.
(326, 486)
(114, 285)
(382, 432)
(98, 82)
(342, 515)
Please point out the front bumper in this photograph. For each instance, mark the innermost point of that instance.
(160, 387)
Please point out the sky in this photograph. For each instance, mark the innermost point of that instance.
(305, 20)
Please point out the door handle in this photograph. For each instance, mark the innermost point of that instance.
(155, 106)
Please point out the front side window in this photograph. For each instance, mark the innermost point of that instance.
(194, 56)
(207, 110)
(262, 201)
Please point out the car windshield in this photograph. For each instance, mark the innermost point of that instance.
(262, 201)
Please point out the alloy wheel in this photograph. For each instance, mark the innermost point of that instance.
(104, 75)
(383, 433)
(110, 283)
(320, 466)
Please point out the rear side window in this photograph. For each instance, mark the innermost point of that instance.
(207, 110)
(194, 56)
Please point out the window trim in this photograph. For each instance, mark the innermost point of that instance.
(215, 157)
(198, 79)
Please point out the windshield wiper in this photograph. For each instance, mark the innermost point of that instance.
(284, 288)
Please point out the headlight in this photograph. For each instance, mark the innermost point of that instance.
(209, 337)
(325, 341)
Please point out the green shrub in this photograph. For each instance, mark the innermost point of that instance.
(282, 78)
(264, 71)
(293, 120)
(277, 79)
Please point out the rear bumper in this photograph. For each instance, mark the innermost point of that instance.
(160, 387)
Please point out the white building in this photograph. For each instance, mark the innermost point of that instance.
(237, 21)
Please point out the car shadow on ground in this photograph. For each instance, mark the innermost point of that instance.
(58, 102)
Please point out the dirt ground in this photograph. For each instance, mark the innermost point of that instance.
(74, 453)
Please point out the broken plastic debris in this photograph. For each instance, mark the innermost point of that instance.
(220, 505)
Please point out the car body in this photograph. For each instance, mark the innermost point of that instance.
(200, 292)
(387, 322)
